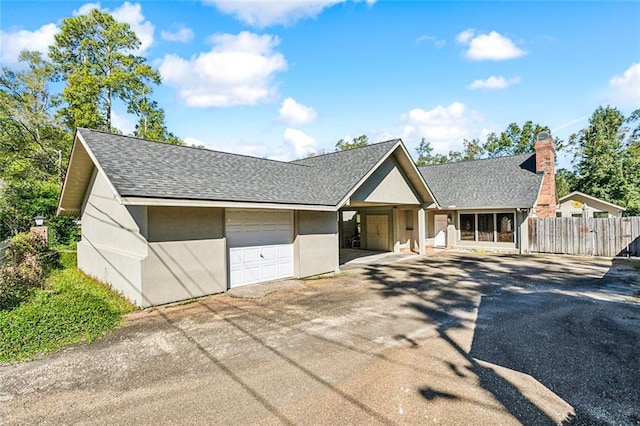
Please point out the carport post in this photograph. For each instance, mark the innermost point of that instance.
(421, 231)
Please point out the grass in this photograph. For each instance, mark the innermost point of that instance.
(71, 308)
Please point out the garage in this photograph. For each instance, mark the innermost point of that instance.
(260, 245)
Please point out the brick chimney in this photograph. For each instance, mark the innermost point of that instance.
(545, 165)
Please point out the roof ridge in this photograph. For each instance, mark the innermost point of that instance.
(478, 159)
(208, 150)
(347, 150)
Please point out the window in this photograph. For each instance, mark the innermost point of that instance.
(600, 215)
(505, 227)
(558, 214)
(576, 214)
(492, 227)
(485, 227)
(468, 227)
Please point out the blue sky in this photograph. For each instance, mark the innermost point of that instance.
(281, 79)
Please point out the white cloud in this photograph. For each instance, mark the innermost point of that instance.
(301, 143)
(182, 34)
(132, 14)
(488, 47)
(465, 36)
(264, 13)
(444, 126)
(238, 70)
(293, 113)
(124, 123)
(14, 42)
(86, 8)
(625, 89)
(439, 43)
(494, 83)
(128, 13)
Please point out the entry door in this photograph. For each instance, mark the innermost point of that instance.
(440, 229)
(260, 245)
(378, 232)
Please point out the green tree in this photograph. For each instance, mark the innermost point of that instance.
(472, 151)
(356, 142)
(24, 196)
(566, 182)
(515, 140)
(93, 55)
(631, 170)
(426, 156)
(151, 124)
(28, 130)
(600, 153)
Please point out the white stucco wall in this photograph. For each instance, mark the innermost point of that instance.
(112, 247)
(387, 184)
(316, 243)
(187, 254)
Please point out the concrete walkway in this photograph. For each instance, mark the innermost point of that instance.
(357, 258)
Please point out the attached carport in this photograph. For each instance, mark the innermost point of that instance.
(385, 212)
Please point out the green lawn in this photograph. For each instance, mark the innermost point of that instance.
(71, 308)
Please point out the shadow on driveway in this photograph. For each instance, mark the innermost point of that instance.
(584, 350)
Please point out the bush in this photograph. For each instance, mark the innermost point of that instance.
(64, 232)
(28, 261)
(71, 308)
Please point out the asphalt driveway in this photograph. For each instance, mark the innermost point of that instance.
(447, 339)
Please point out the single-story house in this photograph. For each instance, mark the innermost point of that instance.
(163, 223)
(485, 203)
(579, 204)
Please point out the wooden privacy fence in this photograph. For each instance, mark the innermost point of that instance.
(616, 236)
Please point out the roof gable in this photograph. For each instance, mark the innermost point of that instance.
(141, 170)
(502, 182)
(387, 185)
(585, 198)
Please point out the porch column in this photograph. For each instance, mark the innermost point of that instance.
(395, 219)
(422, 228)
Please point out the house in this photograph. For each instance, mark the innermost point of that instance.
(163, 223)
(578, 204)
(486, 203)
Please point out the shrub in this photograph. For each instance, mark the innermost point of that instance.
(28, 261)
(19, 280)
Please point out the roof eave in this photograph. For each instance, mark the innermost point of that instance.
(183, 202)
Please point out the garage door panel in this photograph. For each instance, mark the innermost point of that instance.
(269, 253)
(251, 255)
(270, 272)
(260, 245)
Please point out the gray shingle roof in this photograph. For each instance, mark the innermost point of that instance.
(342, 170)
(141, 168)
(504, 182)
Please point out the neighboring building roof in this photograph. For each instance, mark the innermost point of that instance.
(503, 182)
(589, 197)
(144, 169)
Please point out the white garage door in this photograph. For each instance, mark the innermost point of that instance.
(260, 245)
